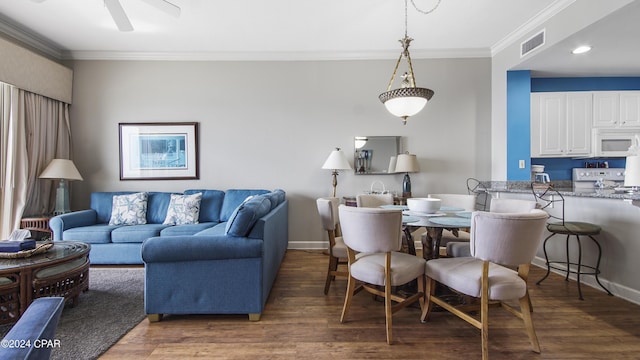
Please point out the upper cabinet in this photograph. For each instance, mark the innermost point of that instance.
(616, 109)
(561, 124)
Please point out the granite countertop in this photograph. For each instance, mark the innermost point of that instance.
(565, 188)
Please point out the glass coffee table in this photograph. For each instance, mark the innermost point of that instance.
(63, 270)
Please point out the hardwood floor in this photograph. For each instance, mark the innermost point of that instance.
(300, 322)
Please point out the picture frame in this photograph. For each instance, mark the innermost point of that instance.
(159, 151)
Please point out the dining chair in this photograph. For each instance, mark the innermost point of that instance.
(373, 238)
(328, 210)
(467, 202)
(462, 249)
(499, 242)
(550, 198)
(474, 186)
(373, 200)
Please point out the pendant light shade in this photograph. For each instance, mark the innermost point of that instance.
(408, 99)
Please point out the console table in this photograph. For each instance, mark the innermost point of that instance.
(63, 271)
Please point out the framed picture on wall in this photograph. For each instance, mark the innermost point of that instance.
(158, 151)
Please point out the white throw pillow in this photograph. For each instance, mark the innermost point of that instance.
(183, 209)
(129, 209)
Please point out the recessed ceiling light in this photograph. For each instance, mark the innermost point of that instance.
(581, 49)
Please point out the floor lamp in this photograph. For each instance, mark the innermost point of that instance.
(336, 161)
(63, 170)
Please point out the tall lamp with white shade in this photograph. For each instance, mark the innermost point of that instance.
(336, 161)
(632, 173)
(407, 163)
(63, 170)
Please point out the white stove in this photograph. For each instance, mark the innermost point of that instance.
(598, 178)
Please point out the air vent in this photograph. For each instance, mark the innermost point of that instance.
(532, 43)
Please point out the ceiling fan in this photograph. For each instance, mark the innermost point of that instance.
(120, 17)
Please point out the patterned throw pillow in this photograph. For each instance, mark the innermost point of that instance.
(183, 209)
(129, 209)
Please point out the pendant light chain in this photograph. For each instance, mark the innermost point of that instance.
(426, 12)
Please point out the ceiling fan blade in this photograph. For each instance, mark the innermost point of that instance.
(118, 15)
(165, 6)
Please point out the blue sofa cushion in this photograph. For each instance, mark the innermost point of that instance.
(136, 233)
(129, 209)
(93, 234)
(183, 209)
(102, 202)
(246, 215)
(210, 204)
(233, 198)
(158, 206)
(189, 229)
(218, 229)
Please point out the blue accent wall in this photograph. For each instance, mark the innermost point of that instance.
(518, 124)
(520, 85)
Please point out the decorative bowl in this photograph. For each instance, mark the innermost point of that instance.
(424, 205)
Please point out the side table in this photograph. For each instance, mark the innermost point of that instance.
(38, 224)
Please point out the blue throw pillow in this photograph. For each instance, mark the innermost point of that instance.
(246, 214)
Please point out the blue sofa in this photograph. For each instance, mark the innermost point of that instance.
(121, 244)
(225, 264)
(33, 336)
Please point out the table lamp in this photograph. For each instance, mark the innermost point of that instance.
(632, 173)
(407, 163)
(63, 170)
(336, 161)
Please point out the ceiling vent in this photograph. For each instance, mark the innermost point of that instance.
(532, 43)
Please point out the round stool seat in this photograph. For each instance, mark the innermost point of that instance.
(574, 228)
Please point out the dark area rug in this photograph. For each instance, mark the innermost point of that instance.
(113, 305)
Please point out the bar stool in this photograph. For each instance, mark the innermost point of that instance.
(549, 198)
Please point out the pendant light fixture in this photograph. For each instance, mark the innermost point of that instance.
(409, 99)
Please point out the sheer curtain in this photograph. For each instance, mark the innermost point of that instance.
(35, 129)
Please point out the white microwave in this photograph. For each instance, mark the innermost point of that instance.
(613, 142)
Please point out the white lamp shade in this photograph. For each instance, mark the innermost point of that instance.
(337, 161)
(61, 169)
(405, 106)
(632, 171)
(407, 163)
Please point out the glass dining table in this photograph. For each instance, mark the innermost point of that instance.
(449, 218)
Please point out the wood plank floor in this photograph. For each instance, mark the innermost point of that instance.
(300, 322)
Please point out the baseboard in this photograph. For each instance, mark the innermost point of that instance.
(621, 291)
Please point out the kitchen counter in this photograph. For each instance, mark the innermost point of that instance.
(565, 188)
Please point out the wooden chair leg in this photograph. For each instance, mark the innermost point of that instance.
(351, 287)
(333, 266)
(430, 291)
(528, 321)
(484, 311)
(388, 305)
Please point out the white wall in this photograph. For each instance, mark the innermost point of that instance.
(272, 125)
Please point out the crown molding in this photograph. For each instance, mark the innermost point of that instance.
(272, 56)
(28, 39)
(535, 22)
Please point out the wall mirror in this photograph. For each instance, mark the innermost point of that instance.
(375, 154)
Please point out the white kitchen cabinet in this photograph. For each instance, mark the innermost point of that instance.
(616, 109)
(630, 108)
(561, 124)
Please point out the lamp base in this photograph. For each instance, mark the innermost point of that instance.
(406, 186)
(62, 199)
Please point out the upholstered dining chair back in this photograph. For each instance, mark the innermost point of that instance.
(509, 239)
(464, 201)
(371, 229)
(511, 205)
(328, 210)
(373, 200)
